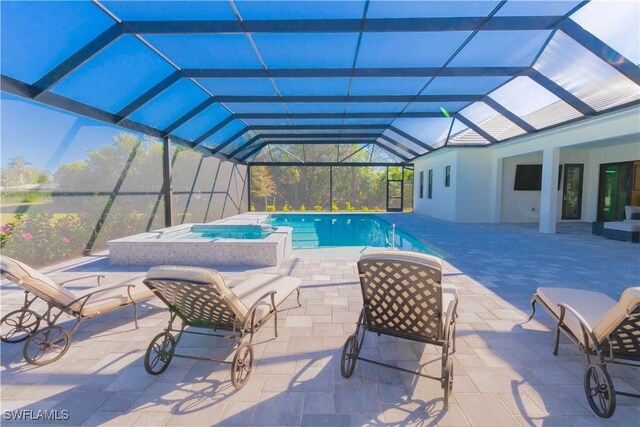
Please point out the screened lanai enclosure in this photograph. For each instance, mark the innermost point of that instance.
(122, 116)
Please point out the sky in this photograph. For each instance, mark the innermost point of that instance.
(45, 136)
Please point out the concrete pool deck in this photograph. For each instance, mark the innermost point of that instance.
(505, 372)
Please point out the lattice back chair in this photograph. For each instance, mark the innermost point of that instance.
(403, 296)
(197, 304)
(200, 298)
(44, 345)
(624, 341)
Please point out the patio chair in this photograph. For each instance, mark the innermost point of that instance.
(48, 344)
(202, 300)
(600, 327)
(404, 298)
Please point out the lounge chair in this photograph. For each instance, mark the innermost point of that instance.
(600, 327)
(202, 299)
(404, 298)
(48, 344)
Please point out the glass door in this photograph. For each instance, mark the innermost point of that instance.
(572, 191)
(614, 191)
(395, 188)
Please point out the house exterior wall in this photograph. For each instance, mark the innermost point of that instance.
(483, 178)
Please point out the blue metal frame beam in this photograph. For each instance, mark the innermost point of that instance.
(357, 72)
(149, 95)
(316, 127)
(560, 92)
(327, 164)
(77, 59)
(230, 140)
(601, 50)
(252, 152)
(334, 115)
(351, 98)
(318, 135)
(334, 141)
(244, 146)
(399, 145)
(410, 138)
(476, 129)
(189, 115)
(213, 130)
(377, 25)
(16, 87)
(508, 114)
(390, 151)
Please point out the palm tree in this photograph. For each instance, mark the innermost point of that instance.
(19, 165)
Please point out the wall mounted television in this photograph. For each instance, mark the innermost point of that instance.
(528, 178)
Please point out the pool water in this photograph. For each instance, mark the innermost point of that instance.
(330, 230)
(227, 232)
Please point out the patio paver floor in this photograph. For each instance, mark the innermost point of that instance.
(505, 373)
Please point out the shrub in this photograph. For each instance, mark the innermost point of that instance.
(377, 209)
(252, 208)
(334, 207)
(364, 209)
(285, 208)
(303, 208)
(318, 208)
(349, 207)
(271, 208)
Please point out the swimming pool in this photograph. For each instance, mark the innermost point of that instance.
(242, 232)
(331, 230)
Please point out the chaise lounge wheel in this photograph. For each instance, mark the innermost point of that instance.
(448, 383)
(599, 390)
(46, 345)
(242, 366)
(18, 325)
(159, 353)
(350, 353)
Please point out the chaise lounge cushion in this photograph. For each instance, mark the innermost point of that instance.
(629, 225)
(108, 300)
(629, 211)
(50, 291)
(249, 291)
(36, 282)
(601, 312)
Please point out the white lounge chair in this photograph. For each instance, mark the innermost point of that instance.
(46, 345)
(404, 298)
(601, 327)
(201, 299)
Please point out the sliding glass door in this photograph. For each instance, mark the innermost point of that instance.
(572, 191)
(615, 190)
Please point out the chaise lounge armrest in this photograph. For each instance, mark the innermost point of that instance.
(97, 276)
(588, 339)
(252, 311)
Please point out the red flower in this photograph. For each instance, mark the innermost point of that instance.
(27, 236)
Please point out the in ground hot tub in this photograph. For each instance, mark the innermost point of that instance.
(204, 245)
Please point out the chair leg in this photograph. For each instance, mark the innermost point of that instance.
(533, 309)
(298, 297)
(556, 344)
(135, 315)
(275, 322)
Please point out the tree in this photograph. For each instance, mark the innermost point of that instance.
(262, 183)
(19, 165)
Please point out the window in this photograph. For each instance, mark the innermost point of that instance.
(447, 176)
(430, 189)
(422, 184)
